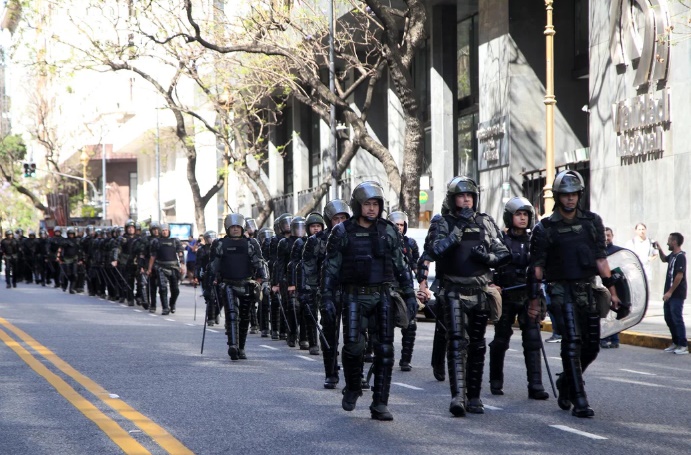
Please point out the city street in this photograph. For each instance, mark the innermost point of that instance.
(80, 375)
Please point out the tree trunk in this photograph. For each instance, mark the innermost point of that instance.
(412, 167)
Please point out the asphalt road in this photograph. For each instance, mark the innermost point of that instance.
(79, 375)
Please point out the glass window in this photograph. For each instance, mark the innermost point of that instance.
(467, 61)
(466, 159)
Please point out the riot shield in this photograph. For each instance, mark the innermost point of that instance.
(627, 263)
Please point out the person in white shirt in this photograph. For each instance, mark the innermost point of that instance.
(644, 248)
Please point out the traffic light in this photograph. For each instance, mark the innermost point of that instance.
(29, 169)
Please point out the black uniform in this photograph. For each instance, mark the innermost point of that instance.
(203, 274)
(278, 317)
(514, 305)
(53, 266)
(128, 265)
(167, 253)
(70, 256)
(236, 262)
(466, 244)
(10, 252)
(412, 255)
(290, 304)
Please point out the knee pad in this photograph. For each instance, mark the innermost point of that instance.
(384, 353)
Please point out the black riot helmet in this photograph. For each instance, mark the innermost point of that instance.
(57, 231)
(71, 230)
(9, 233)
(364, 192)
(32, 234)
(209, 236)
(128, 224)
(265, 233)
(42, 233)
(250, 226)
(298, 228)
(567, 182)
(333, 208)
(514, 205)
(19, 232)
(137, 226)
(399, 217)
(89, 229)
(282, 224)
(459, 185)
(234, 219)
(315, 218)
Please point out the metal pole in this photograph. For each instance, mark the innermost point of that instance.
(103, 183)
(158, 171)
(333, 192)
(550, 101)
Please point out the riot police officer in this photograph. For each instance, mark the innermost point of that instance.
(314, 224)
(52, 263)
(127, 263)
(467, 244)
(237, 259)
(335, 212)
(568, 250)
(202, 274)
(279, 325)
(69, 256)
(519, 219)
(10, 252)
(283, 259)
(264, 236)
(167, 254)
(412, 255)
(144, 259)
(41, 245)
(364, 257)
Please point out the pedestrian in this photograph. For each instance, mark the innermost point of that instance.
(567, 249)
(675, 292)
(519, 219)
(191, 260)
(283, 257)
(611, 341)
(364, 256)
(237, 260)
(644, 249)
(467, 245)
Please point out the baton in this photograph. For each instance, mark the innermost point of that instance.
(123, 280)
(195, 302)
(438, 321)
(544, 354)
(206, 318)
(316, 324)
(280, 305)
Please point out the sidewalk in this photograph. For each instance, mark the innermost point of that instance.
(651, 332)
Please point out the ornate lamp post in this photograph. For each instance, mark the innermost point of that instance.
(550, 101)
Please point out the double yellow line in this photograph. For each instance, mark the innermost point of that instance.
(114, 431)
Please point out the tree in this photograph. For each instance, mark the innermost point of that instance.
(368, 47)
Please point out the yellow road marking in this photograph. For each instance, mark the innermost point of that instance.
(164, 439)
(119, 436)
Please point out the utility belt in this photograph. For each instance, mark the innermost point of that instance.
(365, 290)
(167, 264)
(229, 282)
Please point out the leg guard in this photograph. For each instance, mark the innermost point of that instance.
(457, 345)
(439, 352)
(174, 280)
(571, 358)
(353, 345)
(264, 312)
(163, 289)
(275, 315)
(476, 352)
(497, 348)
(533, 362)
(407, 345)
(231, 311)
(591, 340)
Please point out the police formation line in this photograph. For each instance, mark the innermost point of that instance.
(352, 268)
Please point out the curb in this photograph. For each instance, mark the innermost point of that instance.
(643, 340)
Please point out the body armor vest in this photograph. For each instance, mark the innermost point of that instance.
(570, 256)
(235, 263)
(10, 247)
(367, 260)
(295, 264)
(95, 251)
(70, 248)
(166, 250)
(515, 272)
(457, 261)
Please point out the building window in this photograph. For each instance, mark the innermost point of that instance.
(420, 72)
(581, 61)
(133, 195)
(466, 158)
(468, 62)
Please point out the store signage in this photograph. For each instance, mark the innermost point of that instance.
(493, 143)
(640, 31)
(640, 122)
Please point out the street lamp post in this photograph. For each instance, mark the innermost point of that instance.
(550, 101)
(103, 182)
(84, 158)
(158, 171)
(333, 193)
